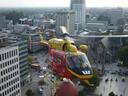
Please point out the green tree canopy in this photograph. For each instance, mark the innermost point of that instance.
(30, 59)
(103, 18)
(29, 92)
(123, 54)
(95, 79)
(111, 94)
(14, 15)
(41, 82)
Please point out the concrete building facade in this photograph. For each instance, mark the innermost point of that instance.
(33, 41)
(116, 15)
(78, 6)
(23, 56)
(67, 19)
(9, 71)
(23, 61)
(3, 39)
(2, 21)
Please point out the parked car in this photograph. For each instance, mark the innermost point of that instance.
(35, 66)
(41, 90)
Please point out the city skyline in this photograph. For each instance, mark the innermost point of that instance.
(61, 3)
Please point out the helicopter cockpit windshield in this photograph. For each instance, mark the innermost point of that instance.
(79, 61)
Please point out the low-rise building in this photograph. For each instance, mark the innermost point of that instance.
(96, 26)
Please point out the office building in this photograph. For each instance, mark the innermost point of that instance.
(3, 39)
(23, 61)
(9, 71)
(115, 15)
(97, 27)
(33, 41)
(67, 19)
(78, 6)
(23, 58)
(2, 21)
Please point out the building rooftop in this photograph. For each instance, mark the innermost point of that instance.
(6, 47)
(96, 23)
(3, 39)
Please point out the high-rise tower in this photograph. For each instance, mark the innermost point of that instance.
(78, 6)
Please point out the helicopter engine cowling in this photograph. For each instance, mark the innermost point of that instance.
(83, 48)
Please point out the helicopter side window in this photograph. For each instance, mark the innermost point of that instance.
(73, 62)
(56, 60)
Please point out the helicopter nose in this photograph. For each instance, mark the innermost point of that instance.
(86, 72)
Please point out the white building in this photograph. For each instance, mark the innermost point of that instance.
(67, 19)
(9, 71)
(78, 6)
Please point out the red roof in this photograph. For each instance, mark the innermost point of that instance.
(66, 89)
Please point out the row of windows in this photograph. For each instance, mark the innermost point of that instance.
(15, 93)
(9, 91)
(5, 86)
(23, 60)
(24, 69)
(8, 54)
(57, 60)
(23, 52)
(7, 63)
(6, 78)
(6, 71)
(3, 40)
(24, 56)
(24, 74)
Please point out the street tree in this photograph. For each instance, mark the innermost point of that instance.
(111, 94)
(30, 59)
(14, 15)
(41, 82)
(81, 93)
(95, 79)
(123, 55)
(103, 18)
(29, 92)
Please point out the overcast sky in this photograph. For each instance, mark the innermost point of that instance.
(61, 3)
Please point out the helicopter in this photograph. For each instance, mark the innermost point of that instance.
(66, 60)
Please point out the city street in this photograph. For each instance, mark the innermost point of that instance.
(41, 56)
(111, 81)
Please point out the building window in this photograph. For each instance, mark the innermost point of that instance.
(0, 58)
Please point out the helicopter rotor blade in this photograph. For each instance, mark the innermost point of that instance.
(64, 31)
